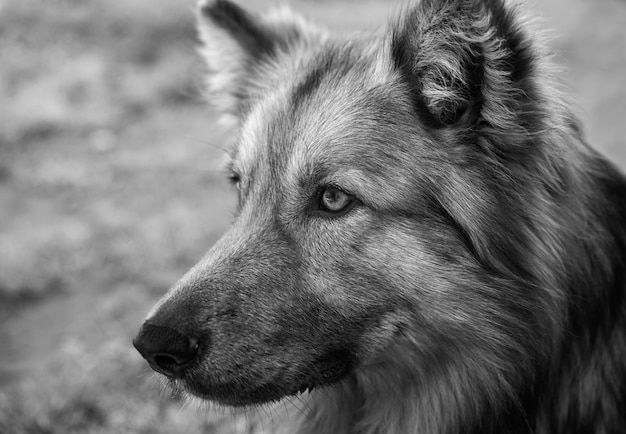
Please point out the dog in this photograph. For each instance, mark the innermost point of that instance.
(423, 241)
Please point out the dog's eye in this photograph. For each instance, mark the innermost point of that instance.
(336, 201)
(234, 179)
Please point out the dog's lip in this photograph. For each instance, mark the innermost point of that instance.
(235, 393)
(332, 370)
(267, 393)
(304, 388)
(327, 371)
(238, 391)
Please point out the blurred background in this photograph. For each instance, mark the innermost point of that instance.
(110, 188)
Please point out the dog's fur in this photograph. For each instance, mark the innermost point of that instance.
(474, 282)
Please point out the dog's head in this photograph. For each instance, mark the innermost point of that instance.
(369, 215)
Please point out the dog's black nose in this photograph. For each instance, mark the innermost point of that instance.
(167, 350)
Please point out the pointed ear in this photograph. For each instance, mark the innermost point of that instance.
(240, 49)
(464, 61)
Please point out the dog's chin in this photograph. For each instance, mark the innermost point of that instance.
(241, 393)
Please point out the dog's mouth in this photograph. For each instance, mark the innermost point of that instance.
(326, 371)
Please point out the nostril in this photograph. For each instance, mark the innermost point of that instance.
(178, 357)
(164, 360)
(170, 364)
(166, 349)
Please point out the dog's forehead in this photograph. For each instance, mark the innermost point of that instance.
(338, 98)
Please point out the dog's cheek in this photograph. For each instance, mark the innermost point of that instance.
(374, 341)
(345, 285)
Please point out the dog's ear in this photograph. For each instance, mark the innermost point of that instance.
(242, 50)
(464, 61)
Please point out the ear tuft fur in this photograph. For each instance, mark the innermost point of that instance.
(243, 51)
(246, 29)
(464, 60)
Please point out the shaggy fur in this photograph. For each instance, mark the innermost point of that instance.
(423, 238)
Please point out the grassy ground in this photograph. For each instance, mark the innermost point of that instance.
(110, 189)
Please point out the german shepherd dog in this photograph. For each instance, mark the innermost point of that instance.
(423, 243)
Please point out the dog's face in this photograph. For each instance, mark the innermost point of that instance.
(343, 243)
(299, 291)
